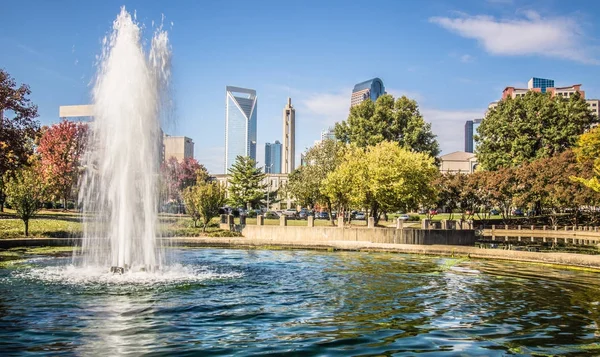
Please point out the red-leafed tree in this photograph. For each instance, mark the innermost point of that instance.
(177, 176)
(18, 128)
(60, 148)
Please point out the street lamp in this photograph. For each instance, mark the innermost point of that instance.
(268, 184)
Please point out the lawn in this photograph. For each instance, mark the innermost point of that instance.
(56, 224)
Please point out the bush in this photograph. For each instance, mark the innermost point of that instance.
(48, 205)
(414, 218)
(70, 205)
(252, 214)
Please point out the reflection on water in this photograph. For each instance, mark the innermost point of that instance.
(245, 302)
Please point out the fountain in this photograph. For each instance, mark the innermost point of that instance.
(118, 192)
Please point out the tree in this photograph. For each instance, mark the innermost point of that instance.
(60, 148)
(588, 150)
(385, 177)
(25, 191)
(177, 176)
(306, 183)
(449, 188)
(531, 127)
(203, 200)
(246, 187)
(386, 119)
(18, 127)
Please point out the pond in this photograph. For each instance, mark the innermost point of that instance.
(295, 302)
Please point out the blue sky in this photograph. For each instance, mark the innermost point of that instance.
(453, 57)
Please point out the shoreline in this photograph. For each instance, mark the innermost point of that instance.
(571, 260)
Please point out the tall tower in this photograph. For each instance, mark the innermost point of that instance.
(240, 124)
(289, 138)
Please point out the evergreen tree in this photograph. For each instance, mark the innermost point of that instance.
(246, 187)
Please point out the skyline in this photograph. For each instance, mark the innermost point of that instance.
(454, 59)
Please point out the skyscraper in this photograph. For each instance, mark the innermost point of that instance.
(273, 158)
(469, 136)
(371, 89)
(240, 124)
(289, 138)
(470, 131)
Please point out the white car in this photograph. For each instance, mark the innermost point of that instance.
(360, 216)
(404, 217)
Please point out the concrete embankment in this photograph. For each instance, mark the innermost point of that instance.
(566, 259)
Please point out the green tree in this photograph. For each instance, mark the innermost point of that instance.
(385, 177)
(531, 127)
(386, 119)
(449, 188)
(203, 200)
(306, 183)
(246, 187)
(25, 192)
(18, 128)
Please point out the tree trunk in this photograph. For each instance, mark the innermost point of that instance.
(329, 208)
(64, 204)
(26, 221)
(375, 212)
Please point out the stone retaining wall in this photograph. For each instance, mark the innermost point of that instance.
(360, 234)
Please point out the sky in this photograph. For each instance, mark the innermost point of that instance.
(452, 57)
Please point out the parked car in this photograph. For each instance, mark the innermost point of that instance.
(517, 212)
(494, 212)
(433, 212)
(271, 215)
(404, 217)
(422, 211)
(323, 215)
(361, 216)
(303, 214)
(290, 213)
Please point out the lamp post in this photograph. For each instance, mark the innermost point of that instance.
(268, 184)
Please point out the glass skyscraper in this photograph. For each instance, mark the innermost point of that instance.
(371, 89)
(470, 131)
(541, 83)
(273, 157)
(240, 124)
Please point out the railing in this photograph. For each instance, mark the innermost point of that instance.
(583, 235)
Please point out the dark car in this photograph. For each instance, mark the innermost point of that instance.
(517, 212)
(323, 215)
(494, 212)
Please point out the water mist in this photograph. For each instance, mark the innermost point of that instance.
(119, 193)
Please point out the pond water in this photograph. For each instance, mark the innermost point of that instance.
(305, 303)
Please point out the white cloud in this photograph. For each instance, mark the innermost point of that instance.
(327, 108)
(449, 126)
(397, 93)
(559, 37)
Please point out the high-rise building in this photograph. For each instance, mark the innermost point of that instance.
(179, 147)
(240, 124)
(371, 89)
(328, 134)
(273, 158)
(470, 131)
(469, 136)
(289, 138)
(540, 83)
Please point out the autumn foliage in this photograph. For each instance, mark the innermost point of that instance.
(60, 148)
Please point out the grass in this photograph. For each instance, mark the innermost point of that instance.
(57, 224)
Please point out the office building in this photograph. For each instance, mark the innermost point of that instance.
(594, 105)
(76, 112)
(371, 89)
(540, 83)
(470, 131)
(273, 158)
(289, 138)
(328, 134)
(179, 147)
(240, 124)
